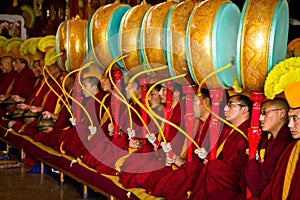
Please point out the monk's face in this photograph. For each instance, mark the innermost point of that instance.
(294, 122)
(6, 65)
(106, 84)
(154, 98)
(162, 93)
(233, 110)
(270, 117)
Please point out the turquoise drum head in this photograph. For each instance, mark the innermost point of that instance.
(225, 32)
(104, 33)
(60, 42)
(211, 43)
(113, 36)
(279, 34)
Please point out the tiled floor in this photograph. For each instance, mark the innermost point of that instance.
(20, 184)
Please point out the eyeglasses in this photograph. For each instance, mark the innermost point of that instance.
(265, 112)
(293, 117)
(231, 103)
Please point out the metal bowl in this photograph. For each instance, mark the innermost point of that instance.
(43, 124)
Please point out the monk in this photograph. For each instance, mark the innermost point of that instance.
(222, 178)
(77, 137)
(42, 99)
(24, 80)
(285, 181)
(108, 148)
(8, 75)
(6, 85)
(178, 182)
(137, 168)
(62, 120)
(273, 119)
(153, 184)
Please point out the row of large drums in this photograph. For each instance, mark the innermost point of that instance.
(191, 38)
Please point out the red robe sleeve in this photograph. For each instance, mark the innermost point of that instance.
(258, 174)
(23, 83)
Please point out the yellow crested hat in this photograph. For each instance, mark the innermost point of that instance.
(38, 55)
(292, 94)
(92, 71)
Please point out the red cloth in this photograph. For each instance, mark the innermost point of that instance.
(156, 180)
(77, 137)
(259, 174)
(170, 182)
(274, 189)
(24, 83)
(47, 99)
(6, 81)
(222, 178)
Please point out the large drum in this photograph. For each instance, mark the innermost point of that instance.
(211, 42)
(176, 40)
(153, 44)
(72, 42)
(104, 33)
(130, 37)
(262, 41)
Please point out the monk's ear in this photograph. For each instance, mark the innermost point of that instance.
(176, 94)
(283, 113)
(245, 109)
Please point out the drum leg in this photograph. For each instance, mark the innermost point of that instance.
(112, 197)
(7, 148)
(23, 154)
(42, 168)
(61, 179)
(85, 192)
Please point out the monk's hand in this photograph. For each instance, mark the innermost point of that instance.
(202, 153)
(22, 106)
(153, 140)
(135, 144)
(170, 161)
(2, 97)
(47, 115)
(110, 129)
(17, 98)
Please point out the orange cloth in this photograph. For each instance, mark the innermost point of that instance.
(292, 94)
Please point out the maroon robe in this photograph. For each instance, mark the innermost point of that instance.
(258, 174)
(48, 102)
(173, 184)
(41, 93)
(23, 83)
(6, 81)
(138, 167)
(222, 178)
(54, 137)
(181, 181)
(76, 140)
(274, 189)
(158, 178)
